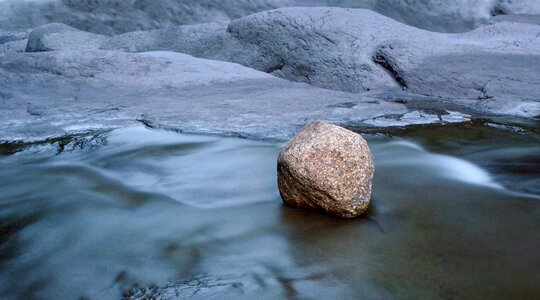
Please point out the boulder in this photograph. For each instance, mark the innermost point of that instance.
(326, 167)
(490, 69)
(508, 7)
(357, 50)
(114, 16)
(12, 41)
(7, 36)
(326, 47)
(50, 94)
(518, 18)
(209, 40)
(56, 36)
(339, 48)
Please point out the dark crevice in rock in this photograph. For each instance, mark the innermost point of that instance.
(342, 105)
(5, 95)
(61, 144)
(146, 123)
(275, 68)
(33, 112)
(80, 143)
(189, 287)
(380, 60)
(7, 38)
(498, 10)
(484, 93)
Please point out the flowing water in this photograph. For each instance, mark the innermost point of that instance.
(140, 213)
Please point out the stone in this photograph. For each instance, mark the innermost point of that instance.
(327, 47)
(57, 36)
(12, 41)
(51, 94)
(115, 16)
(326, 167)
(208, 40)
(490, 70)
(517, 18)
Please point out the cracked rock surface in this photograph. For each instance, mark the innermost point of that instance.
(491, 69)
(352, 67)
(50, 94)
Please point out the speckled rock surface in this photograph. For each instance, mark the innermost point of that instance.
(326, 167)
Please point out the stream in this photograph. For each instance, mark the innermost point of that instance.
(142, 213)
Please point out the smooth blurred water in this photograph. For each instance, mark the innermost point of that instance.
(138, 212)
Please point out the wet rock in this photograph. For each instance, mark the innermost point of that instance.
(507, 7)
(56, 36)
(328, 48)
(326, 167)
(7, 36)
(441, 15)
(209, 40)
(114, 17)
(48, 94)
(357, 50)
(12, 41)
(491, 69)
(518, 18)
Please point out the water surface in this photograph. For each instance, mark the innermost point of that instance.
(138, 212)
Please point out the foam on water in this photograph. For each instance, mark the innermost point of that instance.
(430, 166)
